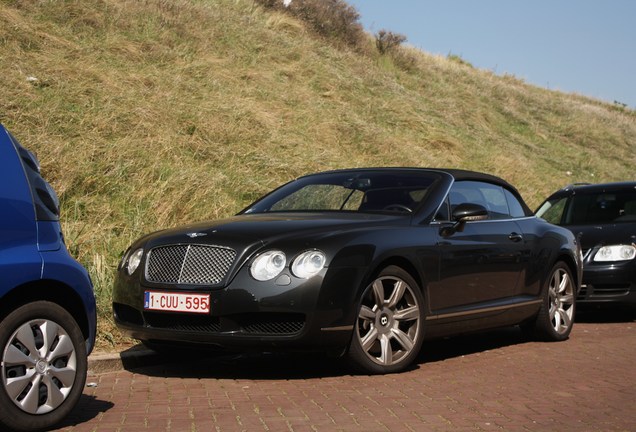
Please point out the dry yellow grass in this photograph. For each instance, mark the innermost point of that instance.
(148, 114)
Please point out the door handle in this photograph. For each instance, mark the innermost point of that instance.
(515, 237)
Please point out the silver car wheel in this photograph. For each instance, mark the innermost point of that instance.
(561, 300)
(39, 366)
(388, 325)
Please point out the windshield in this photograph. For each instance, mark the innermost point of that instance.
(591, 208)
(352, 191)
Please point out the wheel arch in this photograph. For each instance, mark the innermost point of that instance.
(47, 290)
(569, 261)
(398, 261)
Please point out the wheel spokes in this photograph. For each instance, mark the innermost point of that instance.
(55, 395)
(556, 280)
(30, 401)
(564, 317)
(378, 293)
(398, 292)
(25, 336)
(564, 283)
(66, 375)
(386, 352)
(403, 339)
(64, 348)
(369, 339)
(407, 314)
(14, 356)
(15, 386)
(556, 319)
(366, 313)
(50, 332)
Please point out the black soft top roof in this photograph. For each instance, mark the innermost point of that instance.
(457, 174)
(460, 175)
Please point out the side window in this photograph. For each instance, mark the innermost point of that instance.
(552, 211)
(496, 201)
(490, 196)
(516, 209)
(465, 192)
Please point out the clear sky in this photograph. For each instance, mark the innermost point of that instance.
(576, 46)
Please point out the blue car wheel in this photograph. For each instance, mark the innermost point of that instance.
(43, 368)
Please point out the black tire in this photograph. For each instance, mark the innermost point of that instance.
(556, 317)
(389, 328)
(42, 347)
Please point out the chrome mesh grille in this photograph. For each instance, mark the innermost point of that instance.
(189, 264)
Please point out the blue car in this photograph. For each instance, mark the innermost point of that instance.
(47, 305)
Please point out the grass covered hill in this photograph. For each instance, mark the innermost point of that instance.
(148, 114)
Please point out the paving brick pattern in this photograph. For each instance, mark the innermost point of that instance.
(492, 381)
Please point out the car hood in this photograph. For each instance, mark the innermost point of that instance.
(249, 229)
(605, 234)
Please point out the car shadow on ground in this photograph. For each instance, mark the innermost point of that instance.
(86, 409)
(258, 366)
(605, 314)
(472, 343)
(291, 366)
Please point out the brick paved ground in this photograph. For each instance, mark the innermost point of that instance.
(492, 381)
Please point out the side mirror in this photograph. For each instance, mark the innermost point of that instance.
(469, 212)
(463, 213)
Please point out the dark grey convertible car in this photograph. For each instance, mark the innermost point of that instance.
(364, 263)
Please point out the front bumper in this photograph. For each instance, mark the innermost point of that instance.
(286, 313)
(609, 283)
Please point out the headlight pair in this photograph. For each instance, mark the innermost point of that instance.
(270, 264)
(615, 253)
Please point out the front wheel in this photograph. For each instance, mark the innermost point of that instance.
(556, 316)
(389, 328)
(43, 368)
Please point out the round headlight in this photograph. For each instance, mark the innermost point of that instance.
(268, 265)
(615, 253)
(308, 264)
(133, 261)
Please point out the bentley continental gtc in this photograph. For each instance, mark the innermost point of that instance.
(360, 263)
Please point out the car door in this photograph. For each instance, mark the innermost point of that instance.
(481, 265)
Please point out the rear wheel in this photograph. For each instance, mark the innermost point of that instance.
(43, 366)
(556, 316)
(389, 328)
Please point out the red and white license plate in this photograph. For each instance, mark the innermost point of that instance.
(177, 302)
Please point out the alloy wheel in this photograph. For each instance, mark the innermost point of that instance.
(561, 300)
(389, 321)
